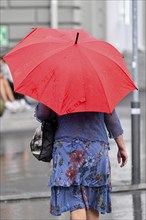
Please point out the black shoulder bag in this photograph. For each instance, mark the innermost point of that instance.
(42, 142)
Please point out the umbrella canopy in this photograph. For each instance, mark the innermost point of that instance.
(69, 71)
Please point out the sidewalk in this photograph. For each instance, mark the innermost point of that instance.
(24, 191)
(126, 206)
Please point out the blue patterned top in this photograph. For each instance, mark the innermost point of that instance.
(91, 126)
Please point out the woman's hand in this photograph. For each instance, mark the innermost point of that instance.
(122, 157)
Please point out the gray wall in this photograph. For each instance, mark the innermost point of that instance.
(20, 16)
(94, 18)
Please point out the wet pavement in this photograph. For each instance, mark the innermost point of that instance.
(24, 190)
(126, 206)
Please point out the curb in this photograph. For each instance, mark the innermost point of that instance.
(129, 188)
(44, 195)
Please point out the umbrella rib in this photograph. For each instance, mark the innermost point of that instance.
(39, 64)
(99, 79)
(110, 59)
(101, 54)
(13, 52)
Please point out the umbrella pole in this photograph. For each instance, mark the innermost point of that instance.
(135, 104)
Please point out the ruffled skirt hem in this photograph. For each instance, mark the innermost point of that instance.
(75, 197)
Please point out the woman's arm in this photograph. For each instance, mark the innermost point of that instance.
(114, 127)
(113, 124)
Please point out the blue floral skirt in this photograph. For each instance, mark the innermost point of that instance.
(81, 176)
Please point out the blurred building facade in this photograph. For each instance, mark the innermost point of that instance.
(107, 20)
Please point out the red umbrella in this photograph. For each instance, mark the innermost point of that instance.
(69, 71)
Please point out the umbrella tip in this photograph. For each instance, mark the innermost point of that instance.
(77, 36)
